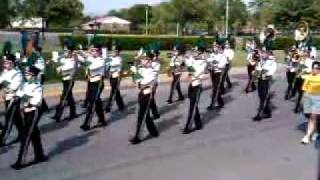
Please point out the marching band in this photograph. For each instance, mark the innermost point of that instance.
(22, 80)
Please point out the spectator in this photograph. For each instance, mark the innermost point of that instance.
(311, 88)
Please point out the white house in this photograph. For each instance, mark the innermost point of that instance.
(32, 23)
(110, 23)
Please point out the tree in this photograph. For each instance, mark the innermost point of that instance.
(290, 12)
(286, 13)
(162, 18)
(4, 13)
(186, 11)
(238, 13)
(8, 10)
(57, 12)
(65, 12)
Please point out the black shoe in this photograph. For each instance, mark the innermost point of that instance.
(155, 135)
(257, 118)
(122, 108)
(210, 108)
(267, 116)
(2, 144)
(156, 117)
(73, 116)
(56, 118)
(286, 97)
(219, 106)
(169, 101)
(40, 159)
(247, 91)
(199, 127)
(107, 110)
(181, 99)
(17, 166)
(102, 124)
(85, 127)
(186, 131)
(135, 140)
(296, 110)
(229, 86)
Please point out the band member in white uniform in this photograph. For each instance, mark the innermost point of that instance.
(219, 61)
(97, 68)
(31, 94)
(68, 66)
(10, 80)
(177, 64)
(265, 69)
(115, 68)
(197, 67)
(146, 78)
(229, 53)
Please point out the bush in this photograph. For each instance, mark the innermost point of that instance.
(283, 43)
(79, 40)
(136, 42)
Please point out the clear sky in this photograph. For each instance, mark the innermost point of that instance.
(99, 7)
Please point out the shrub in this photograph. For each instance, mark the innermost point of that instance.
(135, 42)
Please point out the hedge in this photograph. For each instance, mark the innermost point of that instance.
(283, 43)
(136, 42)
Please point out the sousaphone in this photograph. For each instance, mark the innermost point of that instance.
(302, 32)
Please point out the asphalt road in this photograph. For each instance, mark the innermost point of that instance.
(230, 147)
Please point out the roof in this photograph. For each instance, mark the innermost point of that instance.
(109, 20)
(27, 23)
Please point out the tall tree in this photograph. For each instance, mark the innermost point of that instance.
(4, 13)
(290, 12)
(8, 10)
(187, 11)
(62, 12)
(286, 13)
(65, 11)
(162, 18)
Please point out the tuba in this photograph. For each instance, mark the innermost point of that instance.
(302, 31)
(268, 34)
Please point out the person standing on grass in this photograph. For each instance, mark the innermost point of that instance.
(311, 104)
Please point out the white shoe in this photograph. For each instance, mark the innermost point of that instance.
(314, 137)
(305, 140)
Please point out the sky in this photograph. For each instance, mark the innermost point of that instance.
(100, 7)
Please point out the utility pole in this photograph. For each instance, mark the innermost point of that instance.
(227, 19)
(147, 19)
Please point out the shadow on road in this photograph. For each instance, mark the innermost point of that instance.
(71, 143)
(118, 115)
(168, 108)
(166, 124)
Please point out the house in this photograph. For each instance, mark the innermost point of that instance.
(32, 23)
(108, 23)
